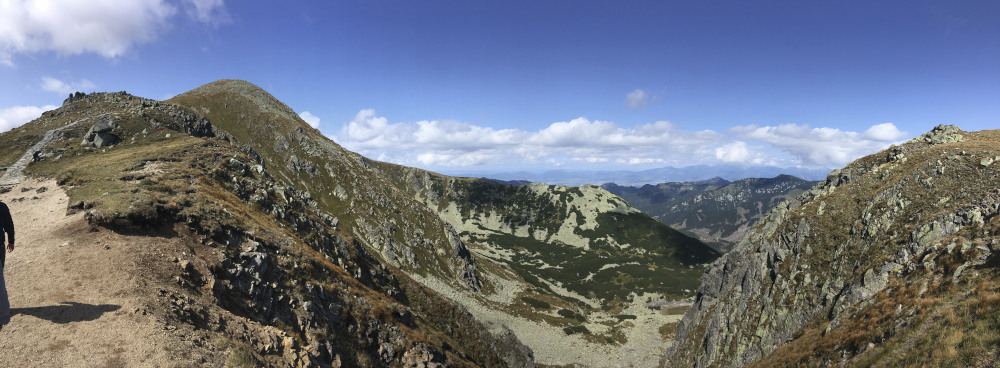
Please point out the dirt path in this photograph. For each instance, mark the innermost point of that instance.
(80, 296)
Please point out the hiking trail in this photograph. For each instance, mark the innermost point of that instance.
(14, 173)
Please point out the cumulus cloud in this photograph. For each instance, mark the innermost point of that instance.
(15, 116)
(444, 143)
(58, 86)
(637, 99)
(820, 147)
(310, 119)
(104, 27)
(366, 126)
(884, 132)
(733, 152)
(452, 143)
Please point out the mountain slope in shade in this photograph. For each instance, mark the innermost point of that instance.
(716, 211)
(891, 261)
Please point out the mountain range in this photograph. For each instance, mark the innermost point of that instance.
(217, 228)
(651, 176)
(716, 211)
(303, 253)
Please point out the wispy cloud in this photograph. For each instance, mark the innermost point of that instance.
(208, 11)
(637, 99)
(106, 28)
(16, 116)
(58, 86)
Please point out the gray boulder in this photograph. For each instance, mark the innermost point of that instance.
(101, 135)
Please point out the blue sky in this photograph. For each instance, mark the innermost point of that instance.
(575, 85)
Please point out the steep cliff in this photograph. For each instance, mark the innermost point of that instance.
(888, 262)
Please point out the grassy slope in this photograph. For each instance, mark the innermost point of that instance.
(343, 184)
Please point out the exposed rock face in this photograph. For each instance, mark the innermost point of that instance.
(896, 225)
(100, 135)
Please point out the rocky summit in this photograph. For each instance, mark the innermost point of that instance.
(891, 261)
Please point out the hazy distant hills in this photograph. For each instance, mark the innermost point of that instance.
(716, 211)
(651, 176)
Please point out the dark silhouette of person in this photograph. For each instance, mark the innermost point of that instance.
(6, 227)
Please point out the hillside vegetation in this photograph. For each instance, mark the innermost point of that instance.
(891, 261)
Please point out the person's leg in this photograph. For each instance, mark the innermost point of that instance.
(4, 303)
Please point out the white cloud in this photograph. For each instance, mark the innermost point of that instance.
(310, 119)
(884, 132)
(58, 86)
(637, 99)
(104, 27)
(366, 126)
(16, 116)
(821, 147)
(451, 143)
(733, 152)
(444, 143)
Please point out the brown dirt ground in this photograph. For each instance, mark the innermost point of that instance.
(83, 296)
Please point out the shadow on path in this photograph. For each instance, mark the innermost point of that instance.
(66, 312)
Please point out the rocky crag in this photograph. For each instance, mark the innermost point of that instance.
(891, 261)
(716, 211)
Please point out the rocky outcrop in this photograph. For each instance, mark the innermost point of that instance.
(101, 135)
(822, 261)
(74, 97)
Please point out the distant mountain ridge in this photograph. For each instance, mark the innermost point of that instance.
(716, 211)
(643, 177)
